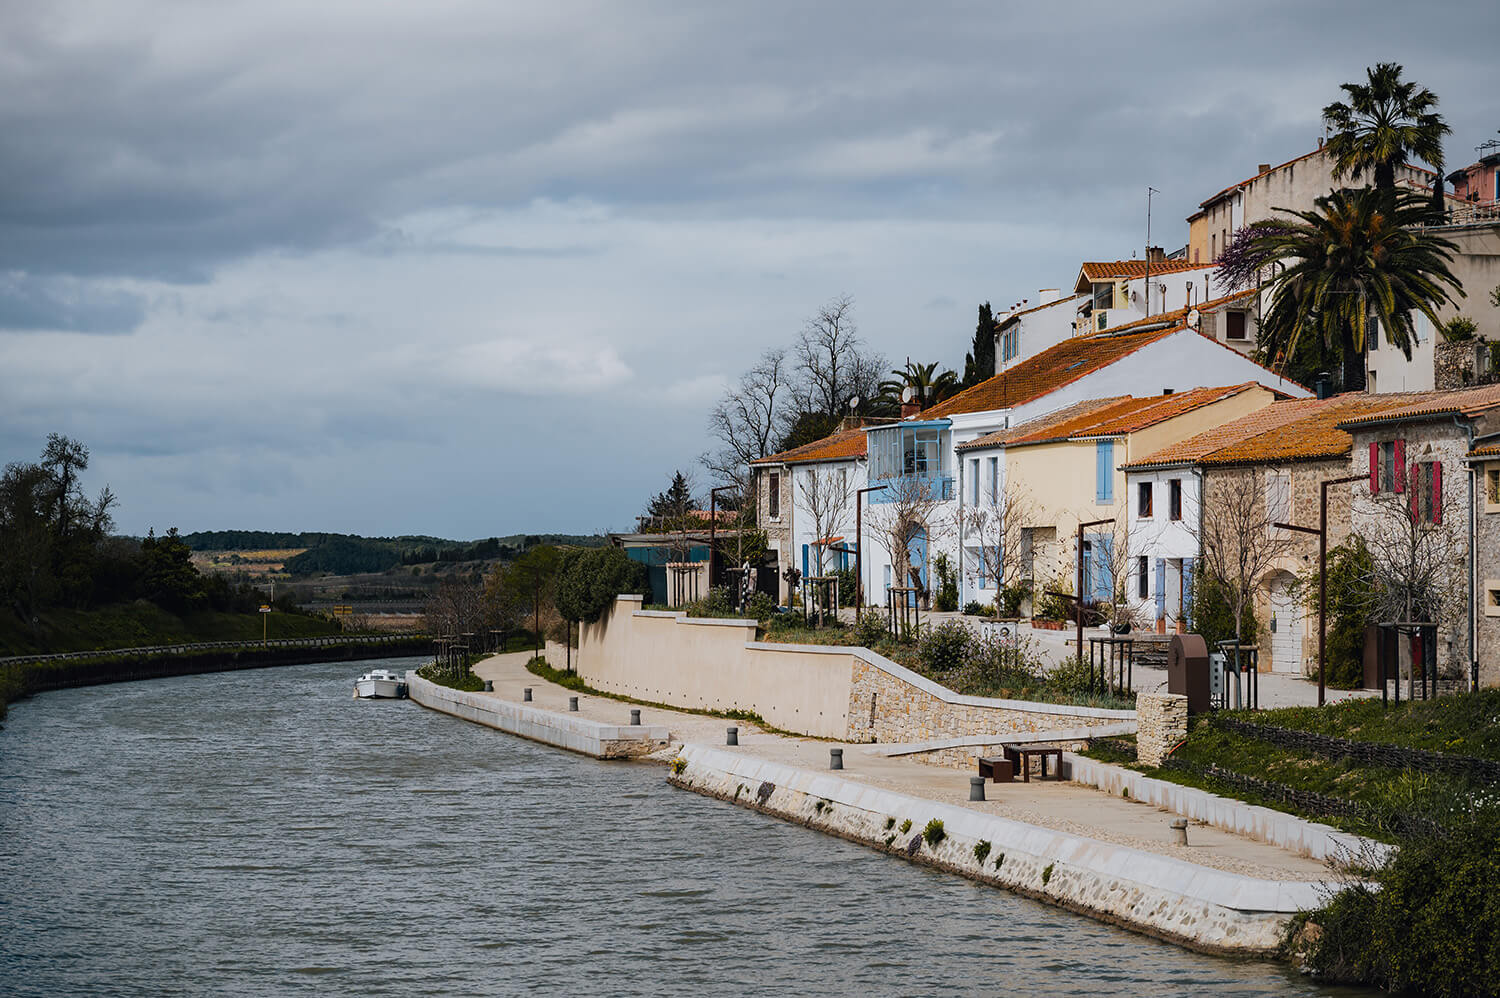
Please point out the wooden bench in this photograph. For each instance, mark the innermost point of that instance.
(1020, 757)
(997, 770)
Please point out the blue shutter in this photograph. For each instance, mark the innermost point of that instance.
(804, 561)
(1187, 590)
(1104, 455)
(1161, 589)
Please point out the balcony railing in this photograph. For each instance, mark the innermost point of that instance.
(936, 484)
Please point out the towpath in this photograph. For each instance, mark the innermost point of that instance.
(1065, 807)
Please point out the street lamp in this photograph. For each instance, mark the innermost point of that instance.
(859, 562)
(1322, 531)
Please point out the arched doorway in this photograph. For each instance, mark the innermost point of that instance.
(1285, 624)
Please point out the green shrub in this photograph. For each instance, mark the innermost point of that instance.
(1071, 675)
(870, 630)
(981, 850)
(945, 598)
(1432, 927)
(761, 606)
(944, 648)
(1049, 605)
(1047, 873)
(848, 585)
(973, 608)
(934, 833)
(1458, 329)
(1213, 616)
(1351, 602)
(905, 826)
(1011, 598)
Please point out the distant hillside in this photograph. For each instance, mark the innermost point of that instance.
(347, 554)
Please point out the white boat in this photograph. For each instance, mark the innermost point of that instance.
(380, 684)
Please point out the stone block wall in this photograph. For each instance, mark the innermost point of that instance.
(1161, 725)
(889, 707)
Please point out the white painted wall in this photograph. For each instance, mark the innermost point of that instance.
(1389, 369)
(1161, 537)
(1040, 330)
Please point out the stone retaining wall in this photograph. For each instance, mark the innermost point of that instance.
(1205, 909)
(1161, 726)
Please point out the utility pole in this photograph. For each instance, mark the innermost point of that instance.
(859, 557)
(1149, 191)
(1322, 532)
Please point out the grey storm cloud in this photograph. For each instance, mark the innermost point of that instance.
(461, 229)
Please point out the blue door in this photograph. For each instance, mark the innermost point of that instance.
(805, 572)
(916, 555)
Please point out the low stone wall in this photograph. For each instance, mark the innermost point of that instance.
(1161, 726)
(1205, 909)
(832, 691)
(602, 741)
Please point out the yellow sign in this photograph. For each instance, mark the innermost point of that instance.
(265, 609)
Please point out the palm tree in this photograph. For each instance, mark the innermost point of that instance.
(930, 385)
(1360, 255)
(1386, 122)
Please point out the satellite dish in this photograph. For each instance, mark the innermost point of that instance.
(1192, 317)
(908, 393)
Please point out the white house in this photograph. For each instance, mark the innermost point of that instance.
(1028, 330)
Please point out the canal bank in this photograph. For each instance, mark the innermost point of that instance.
(1074, 846)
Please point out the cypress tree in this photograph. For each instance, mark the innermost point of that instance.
(979, 363)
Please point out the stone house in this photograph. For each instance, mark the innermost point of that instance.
(1429, 462)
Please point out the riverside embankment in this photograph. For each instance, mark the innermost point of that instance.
(1074, 846)
(25, 675)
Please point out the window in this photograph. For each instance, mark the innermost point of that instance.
(1492, 597)
(1234, 325)
(1143, 579)
(1143, 503)
(1278, 498)
(994, 481)
(1492, 488)
(1174, 499)
(1427, 492)
(773, 500)
(1387, 466)
(1104, 471)
(974, 481)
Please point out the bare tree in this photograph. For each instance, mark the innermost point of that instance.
(1239, 541)
(999, 526)
(908, 508)
(457, 607)
(826, 497)
(1418, 565)
(751, 419)
(831, 366)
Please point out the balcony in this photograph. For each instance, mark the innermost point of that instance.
(936, 485)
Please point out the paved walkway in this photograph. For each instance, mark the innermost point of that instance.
(1063, 806)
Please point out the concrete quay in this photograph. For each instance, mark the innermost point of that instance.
(1080, 845)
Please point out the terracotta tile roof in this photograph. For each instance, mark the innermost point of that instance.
(1290, 430)
(1045, 373)
(1041, 423)
(1485, 450)
(1113, 270)
(1000, 323)
(845, 445)
(1179, 316)
(1137, 414)
(1463, 401)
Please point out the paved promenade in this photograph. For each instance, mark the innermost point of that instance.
(1063, 807)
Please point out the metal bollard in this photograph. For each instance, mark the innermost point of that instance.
(731, 736)
(489, 686)
(835, 758)
(572, 703)
(635, 717)
(1179, 831)
(526, 694)
(976, 788)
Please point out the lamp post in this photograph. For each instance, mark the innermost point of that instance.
(1078, 602)
(859, 558)
(1322, 531)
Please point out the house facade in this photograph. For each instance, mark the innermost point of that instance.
(1117, 292)
(1028, 330)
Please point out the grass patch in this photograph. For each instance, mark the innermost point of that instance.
(467, 682)
(905, 826)
(141, 624)
(981, 851)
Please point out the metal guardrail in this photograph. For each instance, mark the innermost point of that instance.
(321, 642)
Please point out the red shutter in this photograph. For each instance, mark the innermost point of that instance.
(1374, 467)
(1416, 489)
(1437, 492)
(1400, 462)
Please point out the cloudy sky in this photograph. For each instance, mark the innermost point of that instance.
(477, 268)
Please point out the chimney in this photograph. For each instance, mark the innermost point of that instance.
(1156, 254)
(1047, 296)
(1320, 141)
(1264, 168)
(1323, 385)
(910, 409)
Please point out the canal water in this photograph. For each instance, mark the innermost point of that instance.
(254, 833)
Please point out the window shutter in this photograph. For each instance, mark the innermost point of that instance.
(1187, 590)
(1437, 492)
(1374, 467)
(1161, 589)
(1416, 489)
(1400, 448)
(1106, 548)
(1103, 479)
